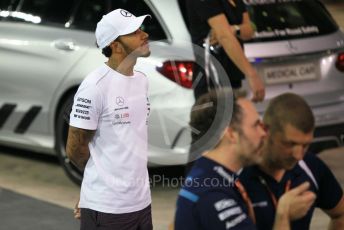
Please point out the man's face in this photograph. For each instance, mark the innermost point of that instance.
(135, 44)
(284, 149)
(252, 135)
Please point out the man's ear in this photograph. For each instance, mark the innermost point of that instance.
(116, 47)
(232, 135)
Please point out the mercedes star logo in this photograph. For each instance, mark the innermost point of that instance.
(120, 101)
(126, 13)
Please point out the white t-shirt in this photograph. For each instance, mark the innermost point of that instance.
(116, 106)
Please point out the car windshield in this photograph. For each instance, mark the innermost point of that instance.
(289, 19)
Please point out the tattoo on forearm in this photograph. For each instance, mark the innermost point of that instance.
(77, 146)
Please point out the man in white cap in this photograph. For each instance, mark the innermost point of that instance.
(108, 130)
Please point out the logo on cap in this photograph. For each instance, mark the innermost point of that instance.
(126, 13)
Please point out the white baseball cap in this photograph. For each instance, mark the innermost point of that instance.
(116, 23)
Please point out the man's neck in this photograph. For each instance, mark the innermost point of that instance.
(274, 172)
(226, 157)
(122, 65)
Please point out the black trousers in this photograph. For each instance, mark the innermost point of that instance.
(93, 220)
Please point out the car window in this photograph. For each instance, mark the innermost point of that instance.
(289, 19)
(91, 11)
(182, 6)
(6, 5)
(40, 11)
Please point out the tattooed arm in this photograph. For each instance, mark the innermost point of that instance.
(77, 146)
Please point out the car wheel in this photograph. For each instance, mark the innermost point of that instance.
(62, 124)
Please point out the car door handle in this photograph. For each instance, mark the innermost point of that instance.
(65, 44)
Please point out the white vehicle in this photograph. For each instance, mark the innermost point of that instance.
(47, 47)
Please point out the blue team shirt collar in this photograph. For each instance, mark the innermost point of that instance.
(212, 169)
(256, 172)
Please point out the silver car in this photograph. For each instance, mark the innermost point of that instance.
(299, 48)
(48, 47)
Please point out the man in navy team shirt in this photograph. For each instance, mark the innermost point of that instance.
(212, 197)
(285, 165)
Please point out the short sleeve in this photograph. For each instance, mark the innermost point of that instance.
(218, 210)
(330, 191)
(86, 108)
(206, 9)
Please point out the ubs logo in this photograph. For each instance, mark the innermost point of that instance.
(126, 13)
(119, 101)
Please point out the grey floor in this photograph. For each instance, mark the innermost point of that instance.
(17, 212)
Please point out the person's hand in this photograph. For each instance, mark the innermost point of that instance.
(77, 213)
(257, 87)
(297, 201)
(213, 40)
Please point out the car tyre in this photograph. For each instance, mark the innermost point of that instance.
(62, 125)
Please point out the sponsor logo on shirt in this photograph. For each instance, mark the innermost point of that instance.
(237, 220)
(121, 123)
(82, 108)
(229, 212)
(260, 204)
(225, 203)
(121, 119)
(81, 117)
(119, 101)
(121, 115)
(82, 111)
(121, 108)
(84, 100)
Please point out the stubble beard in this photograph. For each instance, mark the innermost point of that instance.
(147, 54)
(253, 155)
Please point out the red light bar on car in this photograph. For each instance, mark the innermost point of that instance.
(340, 62)
(178, 71)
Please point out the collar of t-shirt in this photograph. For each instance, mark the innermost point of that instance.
(109, 69)
(207, 168)
(277, 187)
